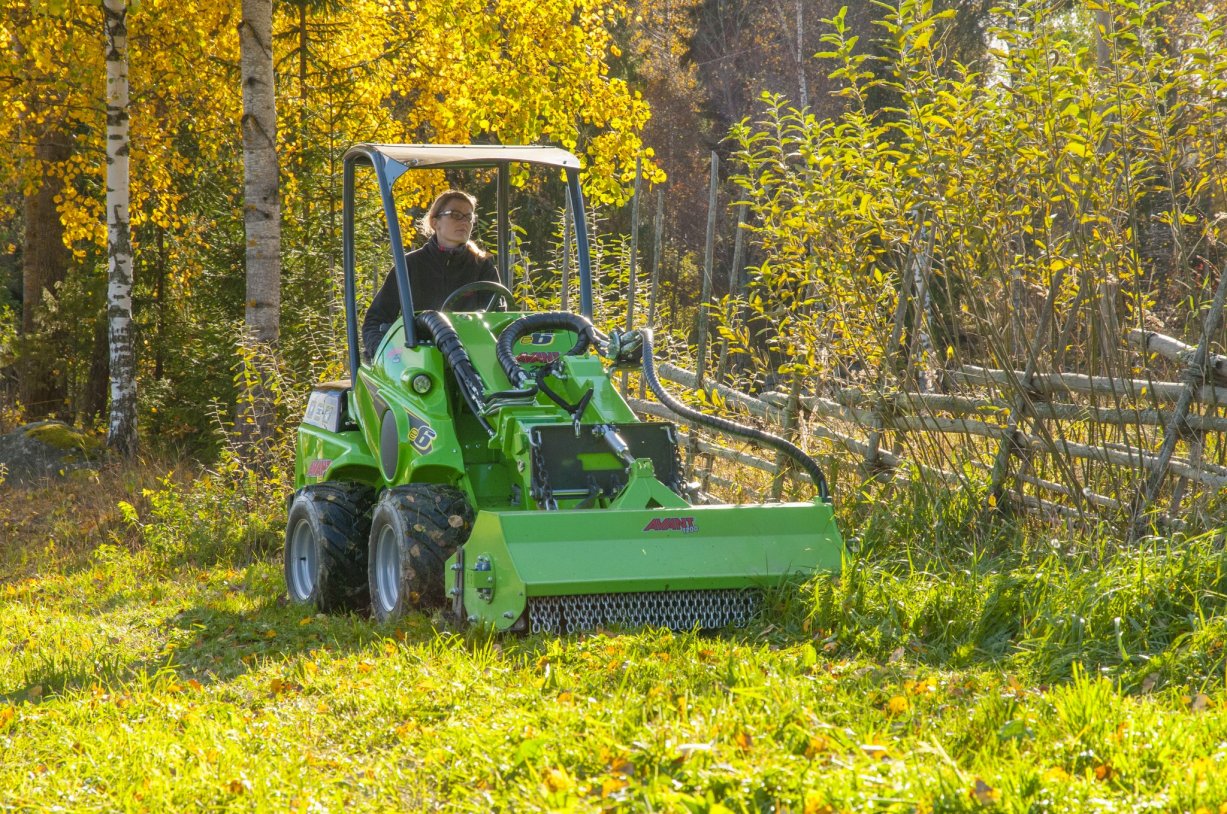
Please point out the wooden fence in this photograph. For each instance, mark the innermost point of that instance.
(1140, 449)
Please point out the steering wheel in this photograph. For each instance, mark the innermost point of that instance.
(496, 290)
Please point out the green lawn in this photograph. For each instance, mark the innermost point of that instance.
(143, 675)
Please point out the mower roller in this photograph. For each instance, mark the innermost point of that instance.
(483, 461)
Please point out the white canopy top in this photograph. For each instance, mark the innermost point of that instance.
(451, 155)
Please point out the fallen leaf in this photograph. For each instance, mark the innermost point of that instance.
(1056, 775)
(611, 785)
(622, 766)
(983, 793)
(897, 705)
(558, 780)
(815, 805)
(816, 746)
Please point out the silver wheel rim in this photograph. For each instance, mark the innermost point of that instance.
(387, 570)
(304, 561)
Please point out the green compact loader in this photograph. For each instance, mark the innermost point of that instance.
(482, 460)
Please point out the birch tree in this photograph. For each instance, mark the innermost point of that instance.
(121, 431)
(261, 212)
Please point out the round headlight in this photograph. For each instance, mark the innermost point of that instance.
(421, 384)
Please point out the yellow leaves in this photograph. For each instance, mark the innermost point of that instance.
(557, 780)
(1056, 775)
(814, 804)
(280, 686)
(897, 705)
(8, 714)
(612, 785)
(743, 740)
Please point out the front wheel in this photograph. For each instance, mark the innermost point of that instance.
(325, 546)
(414, 529)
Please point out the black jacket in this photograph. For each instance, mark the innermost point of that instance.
(434, 273)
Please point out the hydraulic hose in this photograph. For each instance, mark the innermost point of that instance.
(439, 329)
(553, 320)
(724, 425)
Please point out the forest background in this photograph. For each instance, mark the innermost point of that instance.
(1031, 139)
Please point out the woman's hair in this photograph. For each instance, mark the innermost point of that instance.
(439, 205)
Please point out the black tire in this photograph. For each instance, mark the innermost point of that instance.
(414, 529)
(325, 546)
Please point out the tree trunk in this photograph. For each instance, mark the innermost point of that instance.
(261, 214)
(44, 263)
(121, 430)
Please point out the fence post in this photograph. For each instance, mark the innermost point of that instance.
(1194, 377)
(872, 454)
(734, 286)
(708, 258)
(1001, 463)
(708, 254)
(658, 228)
(922, 305)
(634, 260)
(564, 301)
(791, 412)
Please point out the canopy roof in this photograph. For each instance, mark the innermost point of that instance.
(470, 155)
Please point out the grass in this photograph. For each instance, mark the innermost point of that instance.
(151, 663)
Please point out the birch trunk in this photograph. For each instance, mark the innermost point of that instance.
(121, 430)
(261, 214)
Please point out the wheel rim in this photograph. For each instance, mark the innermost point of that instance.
(387, 570)
(303, 562)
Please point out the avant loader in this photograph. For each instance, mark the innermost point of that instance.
(482, 461)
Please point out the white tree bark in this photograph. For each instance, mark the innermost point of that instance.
(261, 205)
(121, 432)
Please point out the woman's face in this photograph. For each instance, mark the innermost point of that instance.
(453, 223)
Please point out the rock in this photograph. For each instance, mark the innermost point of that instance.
(45, 449)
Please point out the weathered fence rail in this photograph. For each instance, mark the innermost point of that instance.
(851, 415)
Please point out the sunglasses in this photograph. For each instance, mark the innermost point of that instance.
(457, 215)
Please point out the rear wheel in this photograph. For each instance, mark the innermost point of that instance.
(326, 544)
(414, 529)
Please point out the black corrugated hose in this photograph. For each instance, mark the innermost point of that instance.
(439, 328)
(724, 425)
(549, 321)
